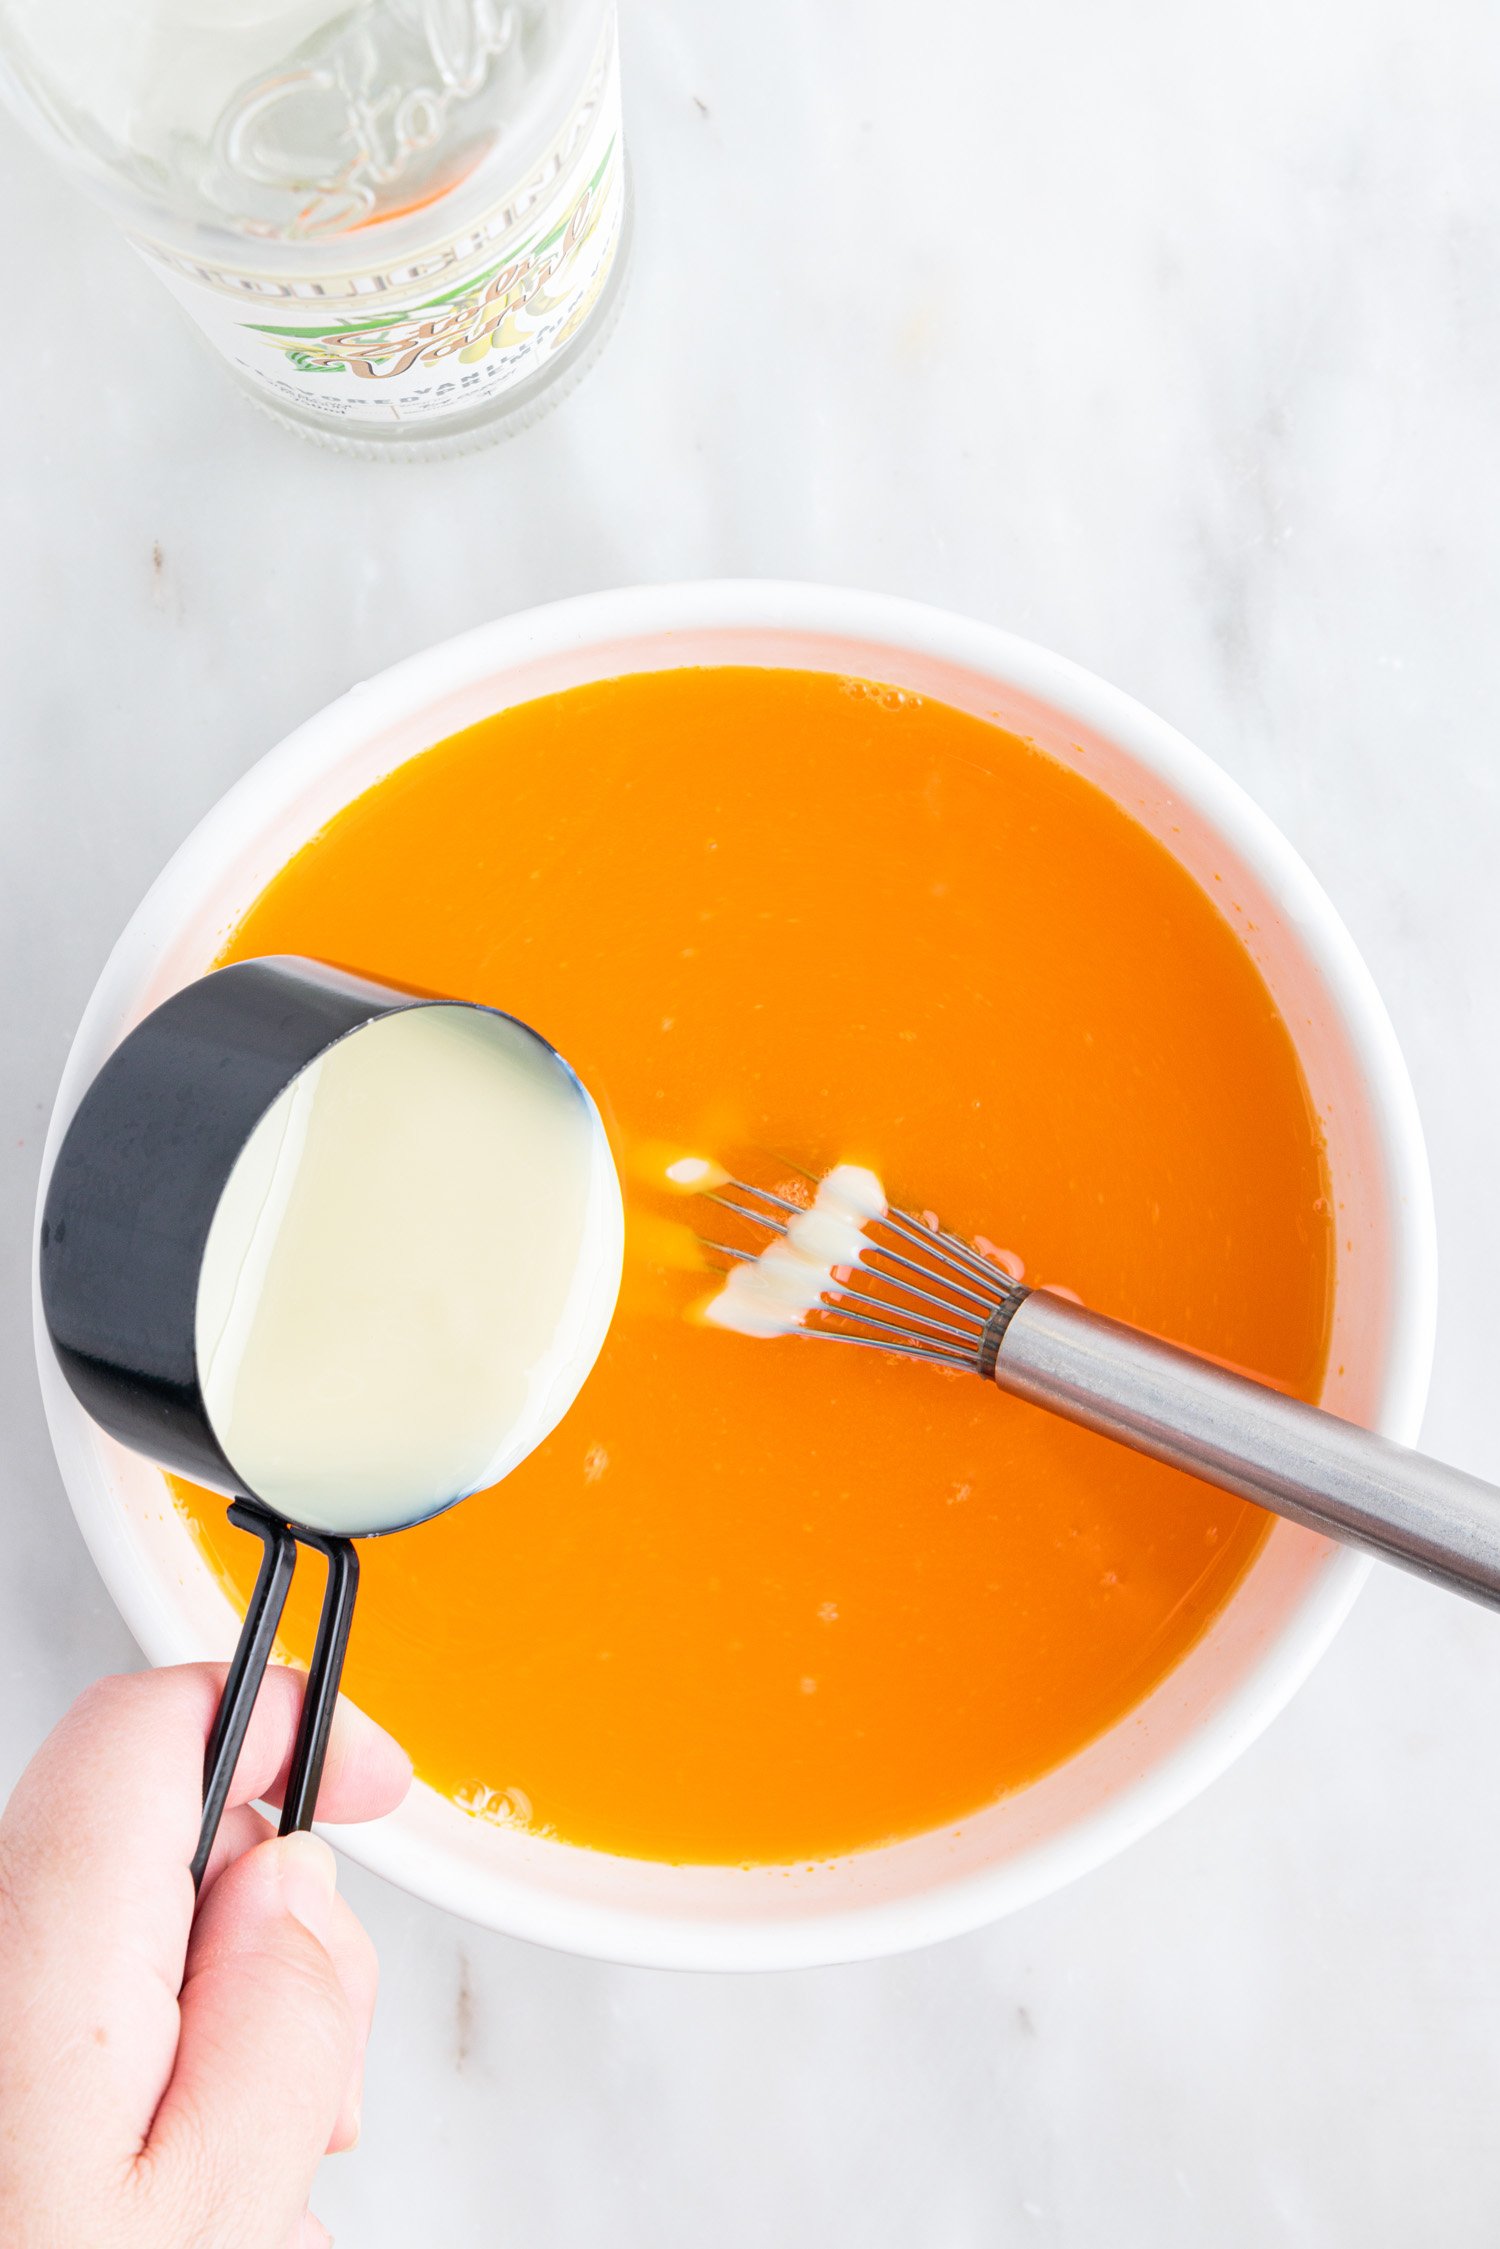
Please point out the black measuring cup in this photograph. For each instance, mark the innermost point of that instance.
(130, 1204)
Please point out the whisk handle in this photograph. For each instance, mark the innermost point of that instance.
(1293, 1458)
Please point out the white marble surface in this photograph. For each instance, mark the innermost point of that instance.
(1169, 335)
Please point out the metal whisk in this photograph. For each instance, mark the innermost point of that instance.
(924, 1294)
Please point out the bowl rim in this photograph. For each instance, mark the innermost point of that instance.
(617, 617)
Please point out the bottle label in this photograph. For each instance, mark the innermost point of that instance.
(476, 314)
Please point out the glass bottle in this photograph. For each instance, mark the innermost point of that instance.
(402, 223)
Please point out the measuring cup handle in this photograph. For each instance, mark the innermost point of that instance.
(253, 1653)
(246, 1670)
(320, 1697)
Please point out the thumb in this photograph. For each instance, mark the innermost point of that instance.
(272, 2018)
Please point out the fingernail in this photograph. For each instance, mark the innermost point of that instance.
(308, 1872)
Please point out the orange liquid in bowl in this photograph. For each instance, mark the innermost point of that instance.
(758, 1602)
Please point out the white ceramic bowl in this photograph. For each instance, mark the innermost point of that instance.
(1299, 1589)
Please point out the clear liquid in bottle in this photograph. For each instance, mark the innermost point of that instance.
(401, 222)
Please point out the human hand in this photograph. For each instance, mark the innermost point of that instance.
(170, 2078)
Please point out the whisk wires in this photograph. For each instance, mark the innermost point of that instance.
(917, 1290)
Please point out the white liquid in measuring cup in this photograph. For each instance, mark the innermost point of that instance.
(410, 1271)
